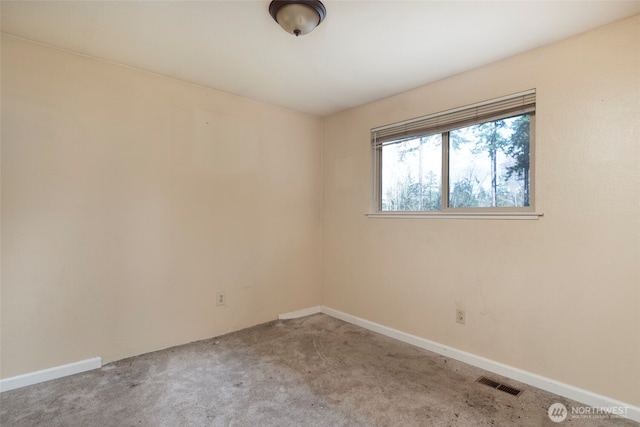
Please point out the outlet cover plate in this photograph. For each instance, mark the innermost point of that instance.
(220, 299)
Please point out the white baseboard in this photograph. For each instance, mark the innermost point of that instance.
(301, 313)
(31, 378)
(555, 387)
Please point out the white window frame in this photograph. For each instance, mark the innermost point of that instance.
(441, 123)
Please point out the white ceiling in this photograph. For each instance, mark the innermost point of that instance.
(363, 51)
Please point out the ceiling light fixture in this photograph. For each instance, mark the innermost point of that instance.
(298, 17)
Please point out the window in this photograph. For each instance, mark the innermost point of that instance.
(474, 160)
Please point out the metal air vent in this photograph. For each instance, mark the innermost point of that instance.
(494, 384)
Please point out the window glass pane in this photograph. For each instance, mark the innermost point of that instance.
(489, 164)
(411, 178)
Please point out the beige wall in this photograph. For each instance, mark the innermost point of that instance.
(130, 199)
(560, 296)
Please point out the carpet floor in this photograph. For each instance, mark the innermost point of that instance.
(313, 371)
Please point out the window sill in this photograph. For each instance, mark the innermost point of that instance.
(459, 215)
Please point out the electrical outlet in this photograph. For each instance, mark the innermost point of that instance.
(220, 299)
(461, 317)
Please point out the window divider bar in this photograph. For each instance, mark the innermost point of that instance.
(444, 196)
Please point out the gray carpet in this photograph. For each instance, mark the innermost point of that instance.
(314, 371)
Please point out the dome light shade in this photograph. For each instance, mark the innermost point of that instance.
(297, 17)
